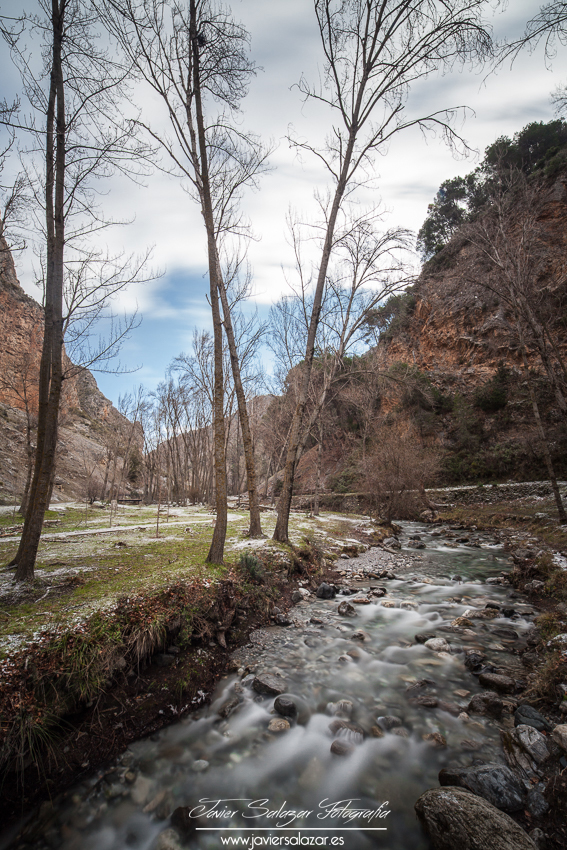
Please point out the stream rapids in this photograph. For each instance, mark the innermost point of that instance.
(354, 679)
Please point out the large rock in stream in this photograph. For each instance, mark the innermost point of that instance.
(269, 685)
(525, 749)
(494, 782)
(455, 819)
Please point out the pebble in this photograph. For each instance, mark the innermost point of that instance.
(278, 724)
(559, 735)
(389, 722)
(199, 766)
(341, 748)
(437, 645)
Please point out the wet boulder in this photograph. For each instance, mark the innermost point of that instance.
(343, 708)
(183, 822)
(487, 703)
(278, 725)
(345, 609)
(388, 722)
(496, 682)
(437, 645)
(422, 637)
(347, 731)
(525, 715)
(282, 620)
(285, 706)
(268, 684)
(494, 782)
(417, 688)
(341, 748)
(456, 819)
(299, 595)
(474, 660)
(325, 591)
(525, 749)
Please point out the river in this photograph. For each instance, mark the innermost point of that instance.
(394, 711)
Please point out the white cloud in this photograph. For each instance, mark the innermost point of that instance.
(285, 42)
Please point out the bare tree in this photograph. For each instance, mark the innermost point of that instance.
(515, 254)
(399, 469)
(374, 50)
(367, 268)
(194, 57)
(78, 131)
(13, 194)
(549, 25)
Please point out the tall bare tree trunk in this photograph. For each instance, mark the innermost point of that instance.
(29, 468)
(319, 469)
(255, 529)
(51, 371)
(542, 436)
(281, 532)
(216, 551)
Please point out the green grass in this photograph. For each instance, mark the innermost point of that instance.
(83, 574)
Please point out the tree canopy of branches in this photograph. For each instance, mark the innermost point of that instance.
(373, 52)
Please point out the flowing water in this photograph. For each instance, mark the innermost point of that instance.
(289, 787)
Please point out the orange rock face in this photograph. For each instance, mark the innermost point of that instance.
(84, 408)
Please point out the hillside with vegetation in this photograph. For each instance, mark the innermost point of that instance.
(455, 363)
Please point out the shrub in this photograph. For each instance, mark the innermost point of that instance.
(493, 395)
(250, 565)
(549, 625)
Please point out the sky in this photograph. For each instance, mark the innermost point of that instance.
(285, 43)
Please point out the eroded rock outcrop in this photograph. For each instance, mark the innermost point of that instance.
(87, 417)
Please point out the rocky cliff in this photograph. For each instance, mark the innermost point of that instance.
(88, 420)
(458, 327)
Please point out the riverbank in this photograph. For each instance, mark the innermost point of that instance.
(117, 638)
(140, 704)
